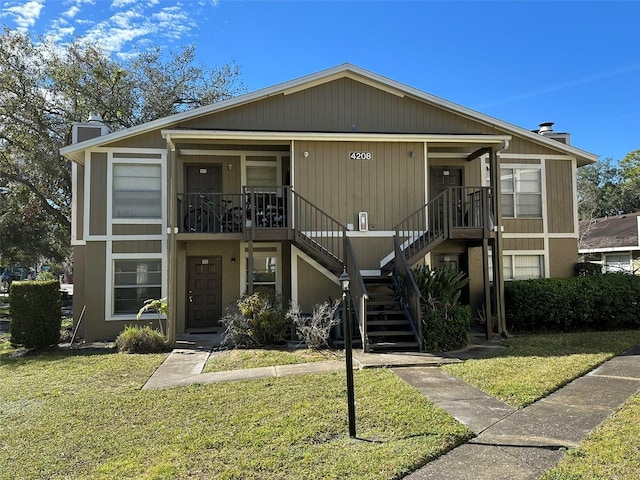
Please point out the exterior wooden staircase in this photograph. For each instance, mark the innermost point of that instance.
(388, 328)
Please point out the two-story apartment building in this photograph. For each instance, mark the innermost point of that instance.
(286, 187)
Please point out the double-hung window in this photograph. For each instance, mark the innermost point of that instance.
(136, 191)
(521, 190)
(134, 281)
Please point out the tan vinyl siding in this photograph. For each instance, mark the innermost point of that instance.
(560, 196)
(146, 140)
(79, 201)
(388, 187)
(370, 250)
(137, 229)
(98, 195)
(563, 255)
(526, 161)
(522, 225)
(337, 106)
(94, 293)
(314, 287)
(137, 246)
(523, 244)
(523, 146)
(79, 295)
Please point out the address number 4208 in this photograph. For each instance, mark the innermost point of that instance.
(361, 155)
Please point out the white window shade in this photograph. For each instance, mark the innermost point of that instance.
(136, 191)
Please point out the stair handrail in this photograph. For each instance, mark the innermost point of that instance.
(411, 297)
(359, 294)
(319, 230)
(428, 223)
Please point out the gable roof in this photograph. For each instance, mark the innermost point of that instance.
(74, 152)
(610, 233)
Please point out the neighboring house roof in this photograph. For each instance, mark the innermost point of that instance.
(610, 234)
(74, 152)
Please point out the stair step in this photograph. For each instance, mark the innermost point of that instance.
(393, 345)
(374, 303)
(388, 322)
(385, 312)
(389, 333)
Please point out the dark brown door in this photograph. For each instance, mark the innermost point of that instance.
(443, 178)
(204, 295)
(204, 179)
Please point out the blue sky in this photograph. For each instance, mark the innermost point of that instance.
(573, 63)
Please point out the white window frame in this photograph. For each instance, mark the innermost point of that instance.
(110, 284)
(618, 265)
(519, 253)
(276, 251)
(516, 172)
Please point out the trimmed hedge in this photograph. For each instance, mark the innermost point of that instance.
(35, 313)
(610, 301)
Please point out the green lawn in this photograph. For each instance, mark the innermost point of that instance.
(82, 415)
(535, 365)
(74, 415)
(258, 357)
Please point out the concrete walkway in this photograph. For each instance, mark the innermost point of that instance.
(509, 444)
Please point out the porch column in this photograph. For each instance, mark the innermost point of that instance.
(487, 288)
(171, 253)
(250, 268)
(498, 273)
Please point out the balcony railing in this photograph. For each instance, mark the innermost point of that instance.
(210, 212)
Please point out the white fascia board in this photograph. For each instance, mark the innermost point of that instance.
(608, 250)
(180, 134)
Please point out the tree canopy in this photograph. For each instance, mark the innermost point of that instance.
(606, 189)
(44, 89)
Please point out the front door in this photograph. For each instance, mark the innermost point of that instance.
(443, 178)
(204, 295)
(204, 179)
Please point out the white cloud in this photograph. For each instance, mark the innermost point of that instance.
(23, 14)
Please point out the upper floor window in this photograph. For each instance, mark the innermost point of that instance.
(137, 191)
(521, 192)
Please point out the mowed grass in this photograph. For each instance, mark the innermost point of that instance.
(78, 415)
(535, 365)
(612, 451)
(258, 357)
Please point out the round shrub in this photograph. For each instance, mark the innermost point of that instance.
(446, 329)
(136, 339)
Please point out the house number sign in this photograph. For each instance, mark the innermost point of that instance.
(360, 155)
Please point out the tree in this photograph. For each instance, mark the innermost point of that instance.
(599, 192)
(44, 89)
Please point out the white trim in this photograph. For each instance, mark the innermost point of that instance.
(121, 238)
(297, 253)
(109, 280)
(538, 234)
(426, 172)
(244, 246)
(87, 195)
(74, 203)
(543, 186)
(609, 249)
(370, 273)
(194, 135)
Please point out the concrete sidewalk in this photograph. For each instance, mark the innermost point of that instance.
(509, 444)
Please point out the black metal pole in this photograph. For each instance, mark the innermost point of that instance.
(351, 402)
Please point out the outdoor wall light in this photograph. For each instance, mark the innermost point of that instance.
(305, 154)
(230, 166)
(412, 154)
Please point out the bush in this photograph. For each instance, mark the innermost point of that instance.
(255, 320)
(582, 269)
(35, 314)
(136, 339)
(446, 329)
(445, 322)
(315, 329)
(46, 277)
(593, 302)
